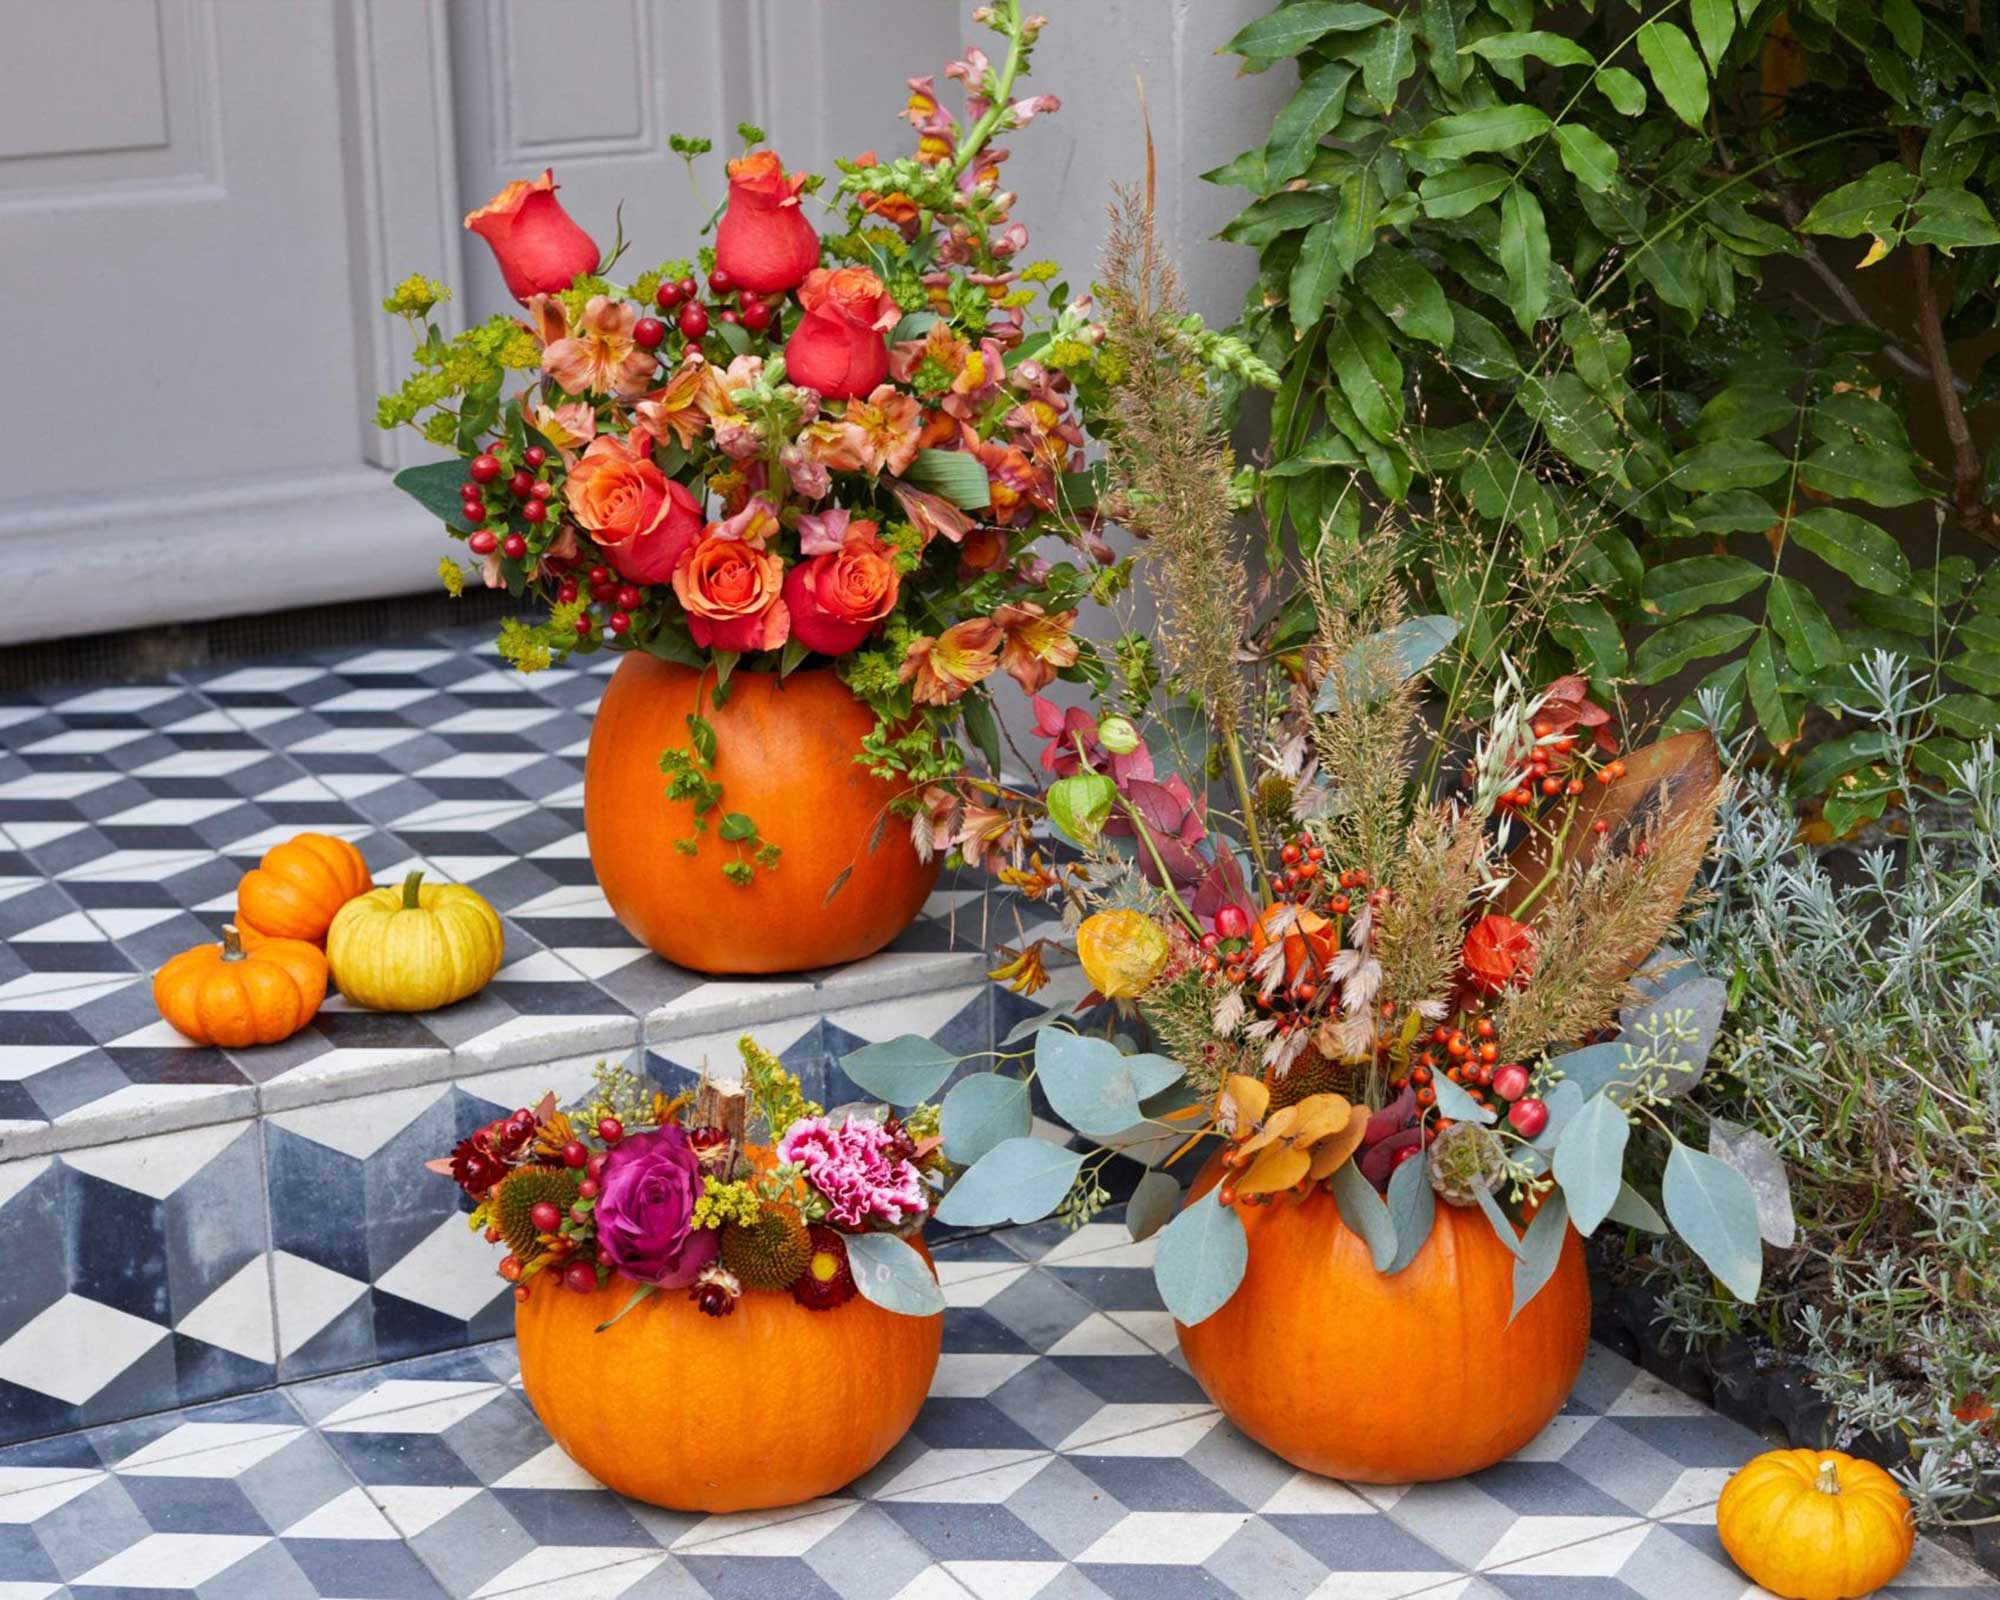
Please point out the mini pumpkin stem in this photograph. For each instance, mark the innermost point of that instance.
(411, 902)
(232, 943)
(1828, 1481)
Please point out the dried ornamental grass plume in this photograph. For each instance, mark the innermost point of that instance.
(1419, 928)
(1170, 465)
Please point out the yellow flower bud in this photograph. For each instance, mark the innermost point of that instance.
(1122, 952)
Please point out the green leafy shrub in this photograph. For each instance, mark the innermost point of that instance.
(1568, 282)
(1864, 1043)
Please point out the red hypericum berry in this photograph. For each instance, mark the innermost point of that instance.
(588, 1188)
(546, 1217)
(603, 591)
(687, 288)
(521, 1293)
(542, 491)
(534, 455)
(513, 547)
(483, 543)
(610, 1129)
(1232, 922)
(755, 315)
(574, 1154)
(1529, 1117)
(627, 597)
(618, 622)
(492, 1235)
(649, 333)
(1552, 786)
(1484, 1027)
(1511, 1081)
(693, 320)
(1209, 941)
(521, 483)
(1427, 1097)
(580, 1276)
(484, 469)
(1489, 1052)
(534, 511)
(599, 575)
(583, 626)
(720, 281)
(565, 593)
(594, 1167)
(473, 514)
(668, 295)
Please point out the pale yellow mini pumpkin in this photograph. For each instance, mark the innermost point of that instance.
(415, 948)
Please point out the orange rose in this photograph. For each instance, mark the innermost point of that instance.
(764, 242)
(838, 348)
(836, 598)
(539, 248)
(731, 592)
(642, 518)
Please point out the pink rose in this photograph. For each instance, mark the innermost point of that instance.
(645, 1210)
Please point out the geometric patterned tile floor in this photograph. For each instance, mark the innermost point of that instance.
(1064, 1452)
(128, 812)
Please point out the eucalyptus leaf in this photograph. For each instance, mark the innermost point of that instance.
(1633, 1210)
(1200, 1258)
(1405, 650)
(1018, 1180)
(1757, 1158)
(1412, 1208)
(1366, 1217)
(1713, 1208)
(889, 1272)
(1154, 1201)
(981, 1111)
(1092, 1086)
(1503, 1228)
(1454, 1102)
(1541, 1251)
(905, 1071)
(1590, 1161)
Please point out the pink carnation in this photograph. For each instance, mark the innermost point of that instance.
(851, 1166)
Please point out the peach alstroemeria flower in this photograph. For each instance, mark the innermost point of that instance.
(601, 357)
(881, 431)
(931, 515)
(684, 406)
(754, 524)
(568, 427)
(1038, 645)
(940, 670)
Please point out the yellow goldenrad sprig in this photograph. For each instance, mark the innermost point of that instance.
(722, 1203)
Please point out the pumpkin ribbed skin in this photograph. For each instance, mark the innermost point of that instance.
(295, 891)
(1305, 1356)
(414, 947)
(224, 995)
(1797, 1540)
(768, 1406)
(785, 757)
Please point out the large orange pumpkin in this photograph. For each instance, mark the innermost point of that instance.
(768, 1406)
(1408, 1378)
(295, 890)
(785, 758)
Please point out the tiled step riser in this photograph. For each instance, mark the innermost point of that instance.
(179, 1268)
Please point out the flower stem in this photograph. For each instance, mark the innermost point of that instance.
(1166, 878)
(1242, 781)
(1003, 88)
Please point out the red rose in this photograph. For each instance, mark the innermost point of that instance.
(539, 249)
(651, 557)
(765, 243)
(1498, 951)
(837, 598)
(838, 347)
(641, 518)
(731, 592)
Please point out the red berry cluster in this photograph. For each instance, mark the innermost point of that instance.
(491, 493)
(680, 296)
(608, 590)
(1555, 768)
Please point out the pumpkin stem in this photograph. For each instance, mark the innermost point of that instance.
(410, 900)
(1828, 1481)
(232, 943)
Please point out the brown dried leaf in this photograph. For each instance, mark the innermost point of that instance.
(1277, 1168)
(1331, 1154)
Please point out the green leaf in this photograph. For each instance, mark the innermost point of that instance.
(1412, 1209)
(1713, 1208)
(1093, 1086)
(1457, 190)
(1825, 763)
(1848, 544)
(1471, 133)
(1810, 642)
(954, 474)
(436, 487)
(981, 1111)
(1977, 669)
(1589, 159)
(1593, 636)
(982, 727)
(1018, 1180)
(1735, 463)
(1742, 412)
(1262, 221)
(905, 1071)
(1441, 33)
(1633, 1210)
(1873, 203)
(1541, 1250)
(1760, 678)
(1682, 643)
(1478, 347)
(1405, 292)
(1369, 374)
(1200, 1258)
(1353, 232)
(1971, 715)
(1316, 275)
(1906, 26)
(889, 1272)
(1952, 219)
(1679, 588)
(1289, 29)
(701, 733)
(1730, 511)
(1550, 47)
(1855, 471)
(1079, 805)
(1714, 25)
(1524, 255)
(1590, 1161)
(1676, 70)
(1365, 1215)
(1155, 1199)
(1245, 172)
(736, 826)
(1625, 92)
(1304, 119)
(1386, 56)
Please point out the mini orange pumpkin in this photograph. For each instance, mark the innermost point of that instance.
(295, 890)
(227, 995)
(1815, 1524)
(768, 1406)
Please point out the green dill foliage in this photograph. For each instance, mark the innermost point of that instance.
(1863, 1044)
(1635, 307)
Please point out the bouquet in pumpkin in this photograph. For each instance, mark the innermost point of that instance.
(671, 1193)
(1415, 960)
(834, 440)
